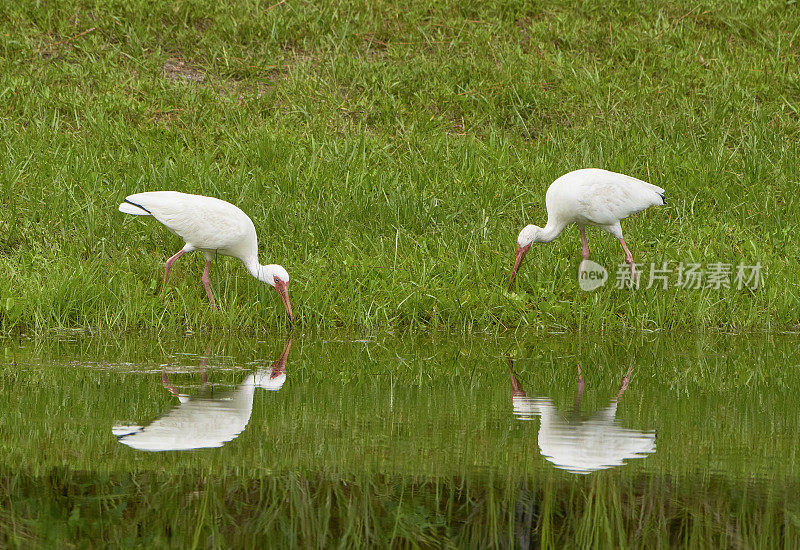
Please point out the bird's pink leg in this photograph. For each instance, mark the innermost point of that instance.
(628, 257)
(584, 244)
(625, 380)
(167, 385)
(584, 252)
(516, 387)
(579, 393)
(207, 283)
(171, 261)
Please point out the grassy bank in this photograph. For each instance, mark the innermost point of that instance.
(389, 154)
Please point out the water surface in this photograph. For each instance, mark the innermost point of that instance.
(601, 440)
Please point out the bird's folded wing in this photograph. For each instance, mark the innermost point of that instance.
(617, 196)
(208, 222)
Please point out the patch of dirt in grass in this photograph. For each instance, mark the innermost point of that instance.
(246, 84)
(202, 23)
(250, 88)
(178, 70)
(373, 47)
(456, 127)
(260, 80)
(165, 116)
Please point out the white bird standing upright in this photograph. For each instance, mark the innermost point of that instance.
(212, 226)
(590, 196)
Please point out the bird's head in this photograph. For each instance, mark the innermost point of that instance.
(273, 378)
(526, 237)
(278, 278)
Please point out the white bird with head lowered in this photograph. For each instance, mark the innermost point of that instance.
(212, 226)
(590, 196)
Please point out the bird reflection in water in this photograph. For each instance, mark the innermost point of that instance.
(198, 421)
(581, 443)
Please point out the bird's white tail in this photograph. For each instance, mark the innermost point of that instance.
(130, 208)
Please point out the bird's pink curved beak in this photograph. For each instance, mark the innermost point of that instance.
(283, 290)
(521, 251)
(279, 366)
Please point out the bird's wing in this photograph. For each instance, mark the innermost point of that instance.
(204, 222)
(610, 197)
(195, 424)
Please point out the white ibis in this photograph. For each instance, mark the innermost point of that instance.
(212, 226)
(199, 422)
(577, 443)
(589, 197)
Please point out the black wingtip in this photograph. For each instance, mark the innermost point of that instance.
(138, 206)
(663, 198)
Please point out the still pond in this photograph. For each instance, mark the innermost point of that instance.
(547, 440)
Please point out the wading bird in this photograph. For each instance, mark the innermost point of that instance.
(580, 443)
(211, 226)
(205, 420)
(589, 197)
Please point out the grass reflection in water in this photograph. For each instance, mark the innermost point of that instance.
(404, 443)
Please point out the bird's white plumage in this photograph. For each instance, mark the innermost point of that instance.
(205, 223)
(599, 197)
(128, 208)
(198, 422)
(584, 444)
(212, 226)
(590, 196)
(201, 422)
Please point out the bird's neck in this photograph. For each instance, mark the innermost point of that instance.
(252, 265)
(551, 230)
(247, 388)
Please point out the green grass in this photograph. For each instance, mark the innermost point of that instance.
(389, 153)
